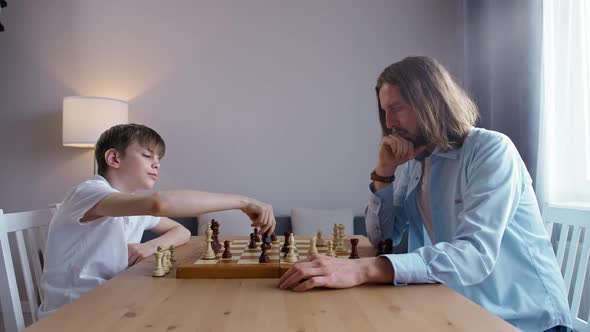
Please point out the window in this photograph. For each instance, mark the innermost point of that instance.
(564, 155)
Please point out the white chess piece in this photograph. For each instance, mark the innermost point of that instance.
(330, 252)
(209, 254)
(166, 260)
(312, 246)
(320, 240)
(158, 271)
(172, 257)
(340, 246)
(291, 256)
(335, 233)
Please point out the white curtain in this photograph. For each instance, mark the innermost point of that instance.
(564, 156)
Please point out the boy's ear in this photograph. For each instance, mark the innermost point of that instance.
(112, 158)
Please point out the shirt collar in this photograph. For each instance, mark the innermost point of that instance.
(449, 154)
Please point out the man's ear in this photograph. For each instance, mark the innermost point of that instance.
(112, 158)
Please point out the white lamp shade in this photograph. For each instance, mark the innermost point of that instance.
(85, 118)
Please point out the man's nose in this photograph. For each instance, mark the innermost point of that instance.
(390, 120)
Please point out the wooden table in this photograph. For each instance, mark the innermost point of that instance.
(136, 301)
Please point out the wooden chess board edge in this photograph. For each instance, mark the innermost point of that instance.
(228, 271)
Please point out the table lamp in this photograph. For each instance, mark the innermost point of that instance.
(85, 118)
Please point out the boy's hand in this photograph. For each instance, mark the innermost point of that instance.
(137, 252)
(261, 214)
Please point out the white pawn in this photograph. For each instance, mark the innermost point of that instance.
(291, 256)
(320, 240)
(209, 254)
(172, 257)
(312, 246)
(330, 252)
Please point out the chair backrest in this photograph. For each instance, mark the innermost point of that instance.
(30, 233)
(573, 262)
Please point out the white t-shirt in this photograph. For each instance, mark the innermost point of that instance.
(82, 256)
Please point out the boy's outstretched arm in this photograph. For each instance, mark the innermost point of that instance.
(171, 233)
(182, 203)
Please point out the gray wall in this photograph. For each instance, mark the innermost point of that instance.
(503, 43)
(272, 99)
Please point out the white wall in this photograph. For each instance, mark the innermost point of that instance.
(267, 98)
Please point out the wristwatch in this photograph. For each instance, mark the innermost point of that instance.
(384, 179)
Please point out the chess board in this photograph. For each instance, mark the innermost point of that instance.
(244, 262)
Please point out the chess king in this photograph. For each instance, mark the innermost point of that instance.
(96, 231)
(486, 224)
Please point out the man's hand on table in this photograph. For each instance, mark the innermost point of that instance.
(331, 272)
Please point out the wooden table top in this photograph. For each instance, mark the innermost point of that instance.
(136, 301)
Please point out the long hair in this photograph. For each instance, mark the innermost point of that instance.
(444, 111)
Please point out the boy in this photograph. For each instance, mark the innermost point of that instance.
(95, 233)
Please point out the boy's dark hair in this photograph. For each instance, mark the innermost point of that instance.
(119, 137)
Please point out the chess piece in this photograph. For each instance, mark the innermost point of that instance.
(216, 245)
(158, 271)
(172, 257)
(354, 252)
(285, 248)
(291, 257)
(252, 244)
(330, 252)
(320, 240)
(263, 256)
(267, 242)
(380, 248)
(226, 252)
(274, 239)
(335, 233)
(256, 237)
(166, 261)
(312, 246)
(340, 247)
(209, 253)
(388, 246)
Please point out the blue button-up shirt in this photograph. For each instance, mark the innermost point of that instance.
(489, 240)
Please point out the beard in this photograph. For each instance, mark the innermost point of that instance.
(418, 140)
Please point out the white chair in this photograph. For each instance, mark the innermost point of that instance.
(306, 222)
(573, 263)
(233, 223)
(30, 232)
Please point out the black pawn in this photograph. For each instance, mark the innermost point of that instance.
(263, 256)
(285, 247)
(380, 248)
(256, 237)
(388, 246)
(252, 244)
(226, 252)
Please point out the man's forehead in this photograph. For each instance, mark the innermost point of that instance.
(390, 95)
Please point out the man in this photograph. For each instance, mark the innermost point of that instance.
(466, 200)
